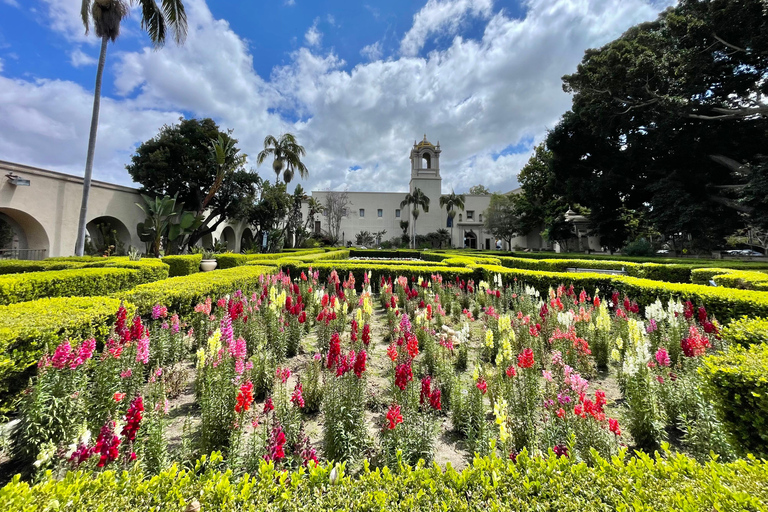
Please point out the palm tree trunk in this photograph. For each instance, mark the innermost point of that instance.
(80, 243)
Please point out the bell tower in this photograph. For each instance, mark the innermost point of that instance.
(425, 175)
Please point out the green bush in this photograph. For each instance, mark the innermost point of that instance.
(746, 331)
(378, 253)
(181, 294)
(731, 278)
(29, 329)
(151, 269)
(737, 384)
(230, 260)
(640, 247)
(66, 283)
(183, 265)
(666, 482)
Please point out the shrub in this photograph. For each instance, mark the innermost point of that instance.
(377, 253)
(665, 482)
(152, 269)
(736, 384)
(181, 294)
(230, 260)
(183, 265)
(29, 329)
(66, 283)
(747, 331)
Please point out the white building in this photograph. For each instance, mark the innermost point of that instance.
(378, 211)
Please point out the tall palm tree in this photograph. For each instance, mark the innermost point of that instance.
(106, 16)
(417, 199)
(287, 155)
(452, 202)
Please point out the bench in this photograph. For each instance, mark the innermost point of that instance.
(621, 272)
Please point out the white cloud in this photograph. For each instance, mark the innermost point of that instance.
(1, 65)
(79, 59)
(443, 17)
(289, 2)
(372, 51)
(12, 3)
(476, 96)
(313, 37)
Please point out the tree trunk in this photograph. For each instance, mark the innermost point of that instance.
(80, 243)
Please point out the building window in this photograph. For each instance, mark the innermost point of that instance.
(449, 224)
(317, 227)
(397, 213)
(362, 212)
(380, 213)
(480, 217)
(343, 212)
(470, 214)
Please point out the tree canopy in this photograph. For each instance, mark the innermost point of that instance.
(183, 161)
(670, 121)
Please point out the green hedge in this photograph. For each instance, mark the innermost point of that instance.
(151, 269)
(666, 482)
(725, 303)
(66, 283)
(383, 253)
(181, 294)
(747, 331)
(737, 384)
(183, 265)
(29, 329)
(731, 278)
(230, 260)
(343, 268)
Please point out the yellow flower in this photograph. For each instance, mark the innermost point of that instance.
(200, 358)
(616, 355)
(359, 315)
(489, 338)
(619, 343)
(214, 342)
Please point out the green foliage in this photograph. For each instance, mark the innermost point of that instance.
(502, 219)
(166, 222)
(737, 386)
(666, 482)
(67, 283)
(181, 294)
(183, 265)
(746, 331)
(640, 247)
(29, 329)
(230, 260)
(150, 268)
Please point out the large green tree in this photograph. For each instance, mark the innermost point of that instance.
(201, 165)
(670, 118)
(502, 219)
(106, 17)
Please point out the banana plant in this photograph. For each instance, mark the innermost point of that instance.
(166, 219)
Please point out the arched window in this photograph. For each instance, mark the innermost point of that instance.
(426, 161)
(449, 224)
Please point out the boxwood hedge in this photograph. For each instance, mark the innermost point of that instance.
(66, 283)
(183, 264)
(664, 482)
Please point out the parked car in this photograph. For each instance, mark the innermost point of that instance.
(743, 252)
(662, 251)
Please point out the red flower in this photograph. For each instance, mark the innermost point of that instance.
(403, 375)
(353, 331)
(359, 367)
(366, 334)
(297, 398)
(268, 405)
(412, 345)
(482, 385)
(426, 389)
(511, 372)
(434, 400)
(393, 416)
(245, 397)
(560, 450)
(302, 317)
(133, 418)
(392, 352)
(613, 426)
(525, 359)
(334, 351)
(107, 444)
(560, 412)
(118, 396)
(696, 344)
(275, 444)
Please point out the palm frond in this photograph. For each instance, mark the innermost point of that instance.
(153, 21)
(176, 16)
(85, 14)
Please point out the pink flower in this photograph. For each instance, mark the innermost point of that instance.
(142, 350)
(297, 398)
(61, 355)
(662, 357)
(126, 373)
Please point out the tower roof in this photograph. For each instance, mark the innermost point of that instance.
(424, 143)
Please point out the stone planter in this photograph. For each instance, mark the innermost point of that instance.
(208, 265)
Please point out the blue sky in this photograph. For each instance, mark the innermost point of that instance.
(356, 82)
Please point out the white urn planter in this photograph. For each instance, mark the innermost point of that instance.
(208, 265)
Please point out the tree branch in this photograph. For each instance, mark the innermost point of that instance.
(730, 203)
(729, 45)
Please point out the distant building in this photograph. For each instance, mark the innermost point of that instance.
(377, 211)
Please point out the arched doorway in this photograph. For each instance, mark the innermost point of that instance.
(246, 240)
(25, 236)
(228, 237)
(107, 235)
(470, 239)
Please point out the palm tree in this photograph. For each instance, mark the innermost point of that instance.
(287, 155)
(451, 202)
(417, 199)
(106, 16)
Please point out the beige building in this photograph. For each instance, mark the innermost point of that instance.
(378, 211)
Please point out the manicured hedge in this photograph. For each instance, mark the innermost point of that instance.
(28, 329)
(731, 278)
(383, 253)
(151, 269)
(343, 268)
(725, 303)
(181, 294)
(737, 384)
(183, 264)
(66, 283)
(747, 331)
(666, 482)
(230, 260)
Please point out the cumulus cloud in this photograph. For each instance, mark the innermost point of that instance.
(313, 35)
(372, 51)
(79, 59)
(486, 100)
(442, 17)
